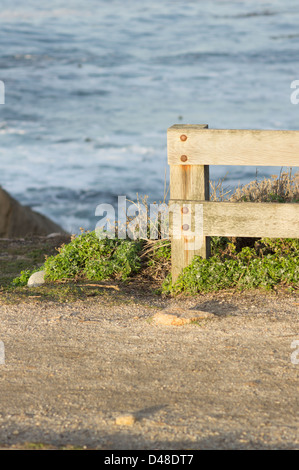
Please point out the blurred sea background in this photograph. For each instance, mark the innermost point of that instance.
(91, 88)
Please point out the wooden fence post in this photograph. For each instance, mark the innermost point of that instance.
(191, 148)
(188, 183)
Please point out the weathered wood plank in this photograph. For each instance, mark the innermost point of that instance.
(197, 145)
(245, 219)
(187, 182)
(187, 238)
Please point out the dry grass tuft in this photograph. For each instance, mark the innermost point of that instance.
(282, 188)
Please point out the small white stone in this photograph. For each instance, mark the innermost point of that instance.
(54, 234)
(36, 279)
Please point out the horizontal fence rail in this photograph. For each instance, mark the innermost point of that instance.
(191, 149)
(198, 145)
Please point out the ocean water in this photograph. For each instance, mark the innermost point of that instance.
(91, 88)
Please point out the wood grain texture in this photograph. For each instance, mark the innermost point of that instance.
(187, 182)
(246, 219)
(203, 146)
(187, 238)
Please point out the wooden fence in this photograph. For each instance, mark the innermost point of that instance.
(191, 149)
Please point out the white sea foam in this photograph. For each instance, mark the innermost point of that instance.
(12, 131)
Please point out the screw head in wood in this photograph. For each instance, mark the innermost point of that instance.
(183, 137)
(184, 158)
(185, 210)
(185, 227)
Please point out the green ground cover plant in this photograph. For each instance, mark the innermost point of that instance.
(234, 263)
(268, 264)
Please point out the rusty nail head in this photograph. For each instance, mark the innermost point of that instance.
(185, 210)
(184, 158)
(183, 137)
(185, 227)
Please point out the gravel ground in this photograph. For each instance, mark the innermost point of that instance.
(72, 370)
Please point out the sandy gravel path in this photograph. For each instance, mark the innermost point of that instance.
(225, 383)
